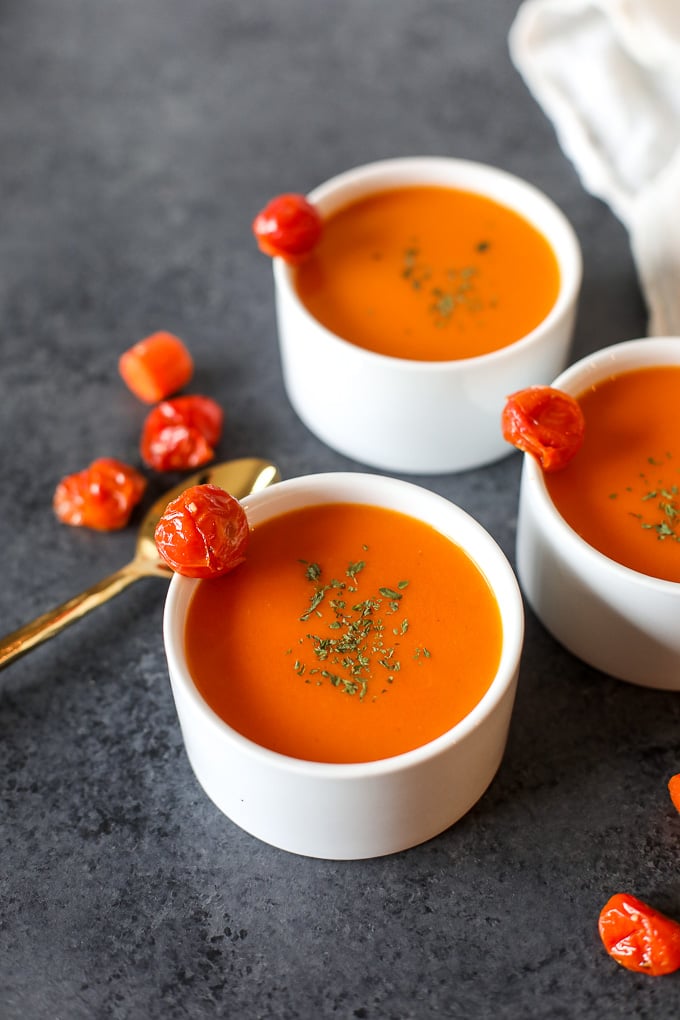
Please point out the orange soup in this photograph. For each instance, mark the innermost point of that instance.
(429, 274)
(350, 633)
(621, 491)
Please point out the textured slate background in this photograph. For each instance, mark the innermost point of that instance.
(137, 140)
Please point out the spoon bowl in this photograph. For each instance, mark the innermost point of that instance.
(238, 477)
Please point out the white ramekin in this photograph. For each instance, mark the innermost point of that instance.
(352, 811)
(620, 621)
(422, 417)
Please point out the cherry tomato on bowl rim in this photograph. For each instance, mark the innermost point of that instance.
(545, 422)
(289, 226)
(203, 533)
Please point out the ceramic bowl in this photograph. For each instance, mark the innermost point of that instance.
(351, 811)
(622, 622)
(420, 417)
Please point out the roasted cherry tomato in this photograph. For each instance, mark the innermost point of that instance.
(288, 226)
(546, 423)
(181, 433)
(101, 497)
(674, 790)
(203, 533)
(638, 937)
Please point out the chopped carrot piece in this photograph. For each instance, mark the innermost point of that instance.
(156, 367)
(674, 790)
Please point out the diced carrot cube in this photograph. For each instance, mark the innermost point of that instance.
(156, 367)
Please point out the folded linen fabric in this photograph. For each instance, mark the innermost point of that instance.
(607, 74)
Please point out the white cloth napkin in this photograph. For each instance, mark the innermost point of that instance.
(607, 74)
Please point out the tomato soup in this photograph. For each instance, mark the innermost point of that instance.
(350, 633)
(429, 274)
(621, 492)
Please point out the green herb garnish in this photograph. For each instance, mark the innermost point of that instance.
(456, 286)
(666, 507)
(349, 643)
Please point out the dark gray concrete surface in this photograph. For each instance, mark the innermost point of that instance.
(137, 140)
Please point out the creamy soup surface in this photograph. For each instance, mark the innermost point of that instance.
(621, 490)
(430, 274)
(350, 633)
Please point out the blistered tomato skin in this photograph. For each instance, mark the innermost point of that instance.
(101, 497)
(289, 226)
(545, 422)
(638, 937)
(181, 433)
(203, 533)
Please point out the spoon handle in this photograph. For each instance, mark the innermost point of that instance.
(48, 624)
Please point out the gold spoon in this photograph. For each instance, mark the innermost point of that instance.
(239, 477)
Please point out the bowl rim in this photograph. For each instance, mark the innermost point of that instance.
(511, 609)
(568, 255)
(633, 354)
